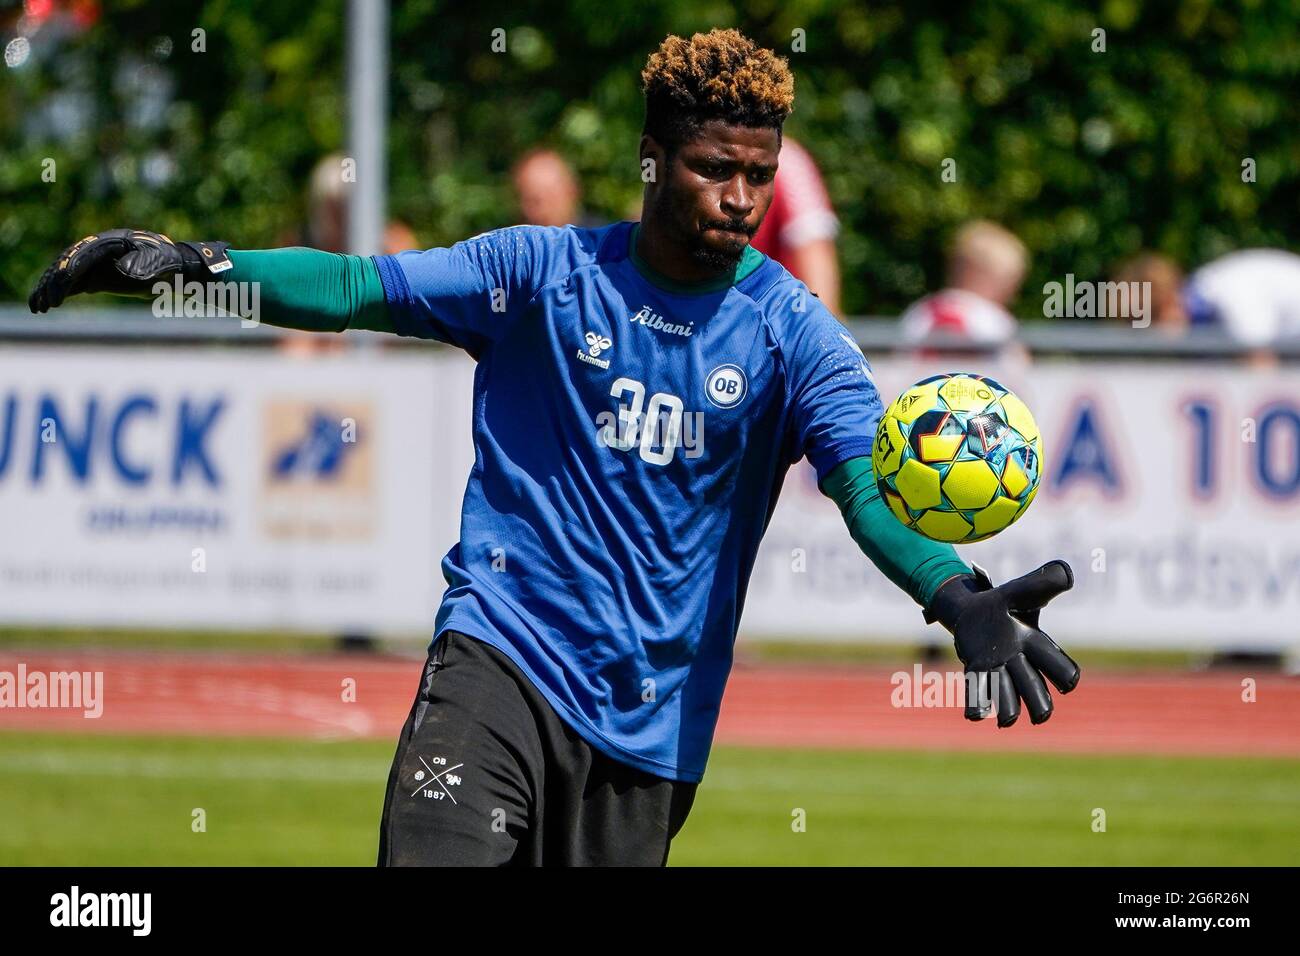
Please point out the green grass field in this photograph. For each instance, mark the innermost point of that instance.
(83, 800)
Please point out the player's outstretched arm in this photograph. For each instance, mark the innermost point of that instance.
(297, 288)
(995, 628)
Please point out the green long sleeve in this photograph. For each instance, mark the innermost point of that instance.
(312, 290)
(911, 560)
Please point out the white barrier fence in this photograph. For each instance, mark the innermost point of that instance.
(249, 490)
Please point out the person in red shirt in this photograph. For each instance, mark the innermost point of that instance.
(986, 266)
(800, 227)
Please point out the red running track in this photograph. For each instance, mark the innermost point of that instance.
(768, 705)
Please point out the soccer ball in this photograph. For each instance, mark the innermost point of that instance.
(957, 457)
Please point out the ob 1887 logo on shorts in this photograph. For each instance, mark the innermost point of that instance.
(726, 386)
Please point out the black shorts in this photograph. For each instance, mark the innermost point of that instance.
(487, 774)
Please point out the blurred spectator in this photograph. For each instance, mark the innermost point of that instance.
(327, 206)
(547, 191)
(1254, 295)
(800, 227)
(327, 214)
(986, 266)
(398, 237)
(1162, 282)
(327, 230)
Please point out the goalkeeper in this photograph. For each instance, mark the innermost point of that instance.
(568, 702)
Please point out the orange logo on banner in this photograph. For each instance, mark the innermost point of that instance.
(317, 468)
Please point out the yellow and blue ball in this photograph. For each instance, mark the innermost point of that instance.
(957, 457)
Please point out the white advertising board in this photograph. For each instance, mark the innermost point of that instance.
(210, 489)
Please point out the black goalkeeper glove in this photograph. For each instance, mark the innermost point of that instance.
(997, 637)
(127, 262)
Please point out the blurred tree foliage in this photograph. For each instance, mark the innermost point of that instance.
(1088, 155)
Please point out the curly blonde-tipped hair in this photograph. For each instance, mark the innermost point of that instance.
(721, 74)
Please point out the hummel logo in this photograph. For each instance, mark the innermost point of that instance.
(596, 343)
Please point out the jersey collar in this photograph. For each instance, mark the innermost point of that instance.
(750, 260)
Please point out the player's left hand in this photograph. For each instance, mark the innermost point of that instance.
(998, 639)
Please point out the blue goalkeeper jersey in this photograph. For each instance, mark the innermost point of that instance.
(631, 437)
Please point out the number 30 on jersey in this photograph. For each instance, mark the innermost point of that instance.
(654, 429)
